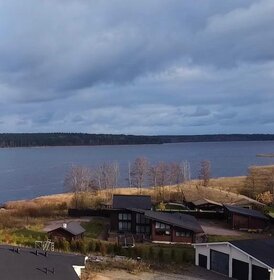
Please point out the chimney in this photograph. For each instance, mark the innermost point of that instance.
(65, 225)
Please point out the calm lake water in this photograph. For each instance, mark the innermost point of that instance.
(31, 172)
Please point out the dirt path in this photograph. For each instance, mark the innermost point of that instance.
(193, 273)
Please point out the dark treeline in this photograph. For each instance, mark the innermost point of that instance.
(84, 139)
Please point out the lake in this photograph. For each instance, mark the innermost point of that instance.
(31, 172)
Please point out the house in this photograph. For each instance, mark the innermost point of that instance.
(27, 263)
(244, 218)
(240, 259)
(123, 220)
(157, 226)
(207, 204)
(173, 228)
(67, 230)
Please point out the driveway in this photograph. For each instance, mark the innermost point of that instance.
(215, 227)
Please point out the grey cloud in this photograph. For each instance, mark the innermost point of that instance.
(136, 66)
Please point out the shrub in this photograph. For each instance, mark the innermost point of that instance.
(103, 249)
(161, 255)
(91, 246)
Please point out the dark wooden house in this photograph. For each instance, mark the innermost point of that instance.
(157, 226)
(174, 228)
(244, 218)
(68, 231)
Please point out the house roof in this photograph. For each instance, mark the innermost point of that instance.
(73, 228)
(261, 249)
(203, 201)
(25, 264)
(177, 219)
(245, 211)
(247, 201)
(132, 201)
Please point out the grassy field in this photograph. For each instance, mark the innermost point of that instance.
(224, 190)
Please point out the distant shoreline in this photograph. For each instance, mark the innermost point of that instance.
(265, 155)
(13, 140)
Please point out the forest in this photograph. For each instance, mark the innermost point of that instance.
(85, 139)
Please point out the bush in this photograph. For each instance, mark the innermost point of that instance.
(91, 246)
(103, 249)
(161, 255)
(97, 246)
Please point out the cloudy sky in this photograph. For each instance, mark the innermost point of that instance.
(138, 67)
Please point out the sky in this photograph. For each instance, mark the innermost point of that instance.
(146, 67)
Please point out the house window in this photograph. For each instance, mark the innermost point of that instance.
(143, 229)
(124, 223)
(140, 219)
(124, 226)
(182, 234)
(162, 229)
(124, 216)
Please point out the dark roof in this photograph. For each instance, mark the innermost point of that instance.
(27, 265)
(131, 201)
(245, 211)
(73, 228)
(177, 219)
(204, 201)
(261, 249)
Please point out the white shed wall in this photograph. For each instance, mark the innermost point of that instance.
(233, 253)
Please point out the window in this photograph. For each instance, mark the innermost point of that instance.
(124, 223)
(124, 216)
(143, 229)
(182, 234)
(162, 229)
(140, 219)
(124, 226)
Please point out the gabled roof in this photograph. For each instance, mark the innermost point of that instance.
(25, 264)
(203, 201)
(179, 220)
(73, 228)
(131, 201)
(245, 211)
(247, 201)
(261, 249)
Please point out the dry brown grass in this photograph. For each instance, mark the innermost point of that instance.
(224, 189)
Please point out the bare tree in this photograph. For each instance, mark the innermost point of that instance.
(107, 175)
(152, 175)
(138, 172)
(205, 172)
(77, 180)
(185, 166)
(176, 173)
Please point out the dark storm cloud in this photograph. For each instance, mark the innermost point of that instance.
(155, 66)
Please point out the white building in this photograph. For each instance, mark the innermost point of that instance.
(240, 259)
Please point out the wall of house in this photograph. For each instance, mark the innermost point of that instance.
(60, 234)
(233, 253)
(172, 237)
(247, 222)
